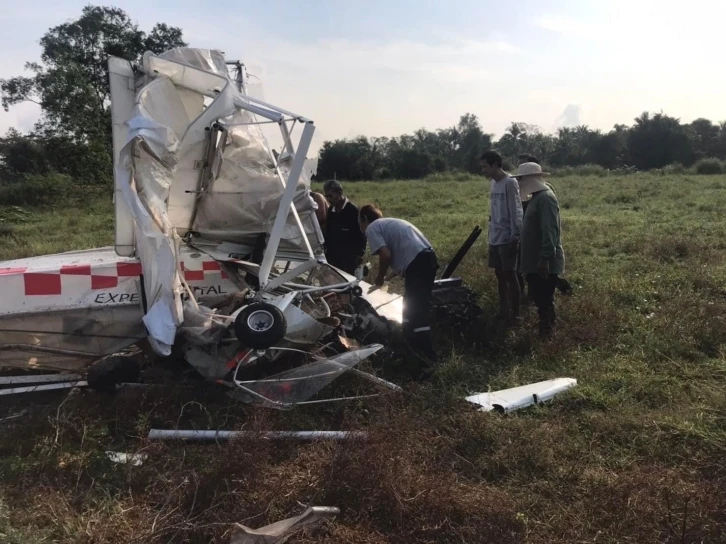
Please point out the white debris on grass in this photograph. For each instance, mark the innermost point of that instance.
(509, 400)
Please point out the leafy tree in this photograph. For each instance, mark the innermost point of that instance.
(470, 142)
(609, 150)
(704, 137)
(658, 140)
(21, 155)
(71, 81)
(719, 149)
(350, 160)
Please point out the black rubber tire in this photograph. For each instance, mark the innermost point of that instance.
(356, 291)
(267, 334)
(105, 374)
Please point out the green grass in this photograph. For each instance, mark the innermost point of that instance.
(633, 454)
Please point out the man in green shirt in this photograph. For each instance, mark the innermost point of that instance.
(542, 259)
(563, 286)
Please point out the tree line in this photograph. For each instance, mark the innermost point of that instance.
(73, 141)
(653, 141)
(73, 135)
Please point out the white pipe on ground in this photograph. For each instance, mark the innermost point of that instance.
(49, 387)
(39, 378)
(163, 434)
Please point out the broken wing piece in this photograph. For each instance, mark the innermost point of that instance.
(279, 531)
(285, 390)
(509, 400)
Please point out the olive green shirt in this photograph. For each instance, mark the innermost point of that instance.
(540, 239)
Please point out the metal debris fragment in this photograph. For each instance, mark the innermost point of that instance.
(278, 532)
(133, 459)
(509, 400)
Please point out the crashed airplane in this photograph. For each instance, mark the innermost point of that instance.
(218, 252)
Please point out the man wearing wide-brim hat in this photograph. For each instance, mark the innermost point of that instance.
(542, 258)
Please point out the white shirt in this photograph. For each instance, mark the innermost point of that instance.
(403, 239)
(505, 209)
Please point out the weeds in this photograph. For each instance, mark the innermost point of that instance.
(633, 454)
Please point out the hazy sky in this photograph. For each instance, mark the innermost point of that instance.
(382, 68)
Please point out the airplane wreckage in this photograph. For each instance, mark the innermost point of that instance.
(218, 252)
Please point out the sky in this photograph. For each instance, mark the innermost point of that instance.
(388, 67)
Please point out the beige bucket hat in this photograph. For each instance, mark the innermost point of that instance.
(531, 178)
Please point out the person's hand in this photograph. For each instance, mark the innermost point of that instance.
(543, 269)
(514, 244)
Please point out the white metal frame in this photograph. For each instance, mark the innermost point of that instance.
(123, 81)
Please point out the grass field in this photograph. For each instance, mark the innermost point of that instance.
(634, 454)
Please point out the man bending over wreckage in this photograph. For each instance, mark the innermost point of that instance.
(406, 250)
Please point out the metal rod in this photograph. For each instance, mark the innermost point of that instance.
(285, 203)
(162, 434)
(337, 288)
(262, 112)
(292, 274)
(338, 399)
(268, 105)
(49, 387)
(43, 349)
(463, 250)
(308, 247)
(377, 380)
(287, 140)
(39, 378)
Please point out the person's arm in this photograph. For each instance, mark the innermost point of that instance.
(377, 244)
(384, 261)
(358, 239)
(549, 227)
(514, 204)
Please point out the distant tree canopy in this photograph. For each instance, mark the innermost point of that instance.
(408, 156)
(73, 136)
(654, 141)
(71, 86)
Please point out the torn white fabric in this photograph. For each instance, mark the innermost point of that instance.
(192, 162)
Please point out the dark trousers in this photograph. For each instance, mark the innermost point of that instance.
(542, 293)
(419, 276)
(346, 263)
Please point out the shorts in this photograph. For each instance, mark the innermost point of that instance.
(503, 257)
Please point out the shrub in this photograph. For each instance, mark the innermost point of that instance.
(709, 167)
(675, 168)
(582, 170)
(39, 190)
(454, 175)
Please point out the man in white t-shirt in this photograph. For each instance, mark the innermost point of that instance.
(402, 247)
(505, 225)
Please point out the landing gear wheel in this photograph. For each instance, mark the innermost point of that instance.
(105, 374)
(260, 325)
(356, 291)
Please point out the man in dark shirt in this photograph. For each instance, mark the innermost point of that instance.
(345, 244)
